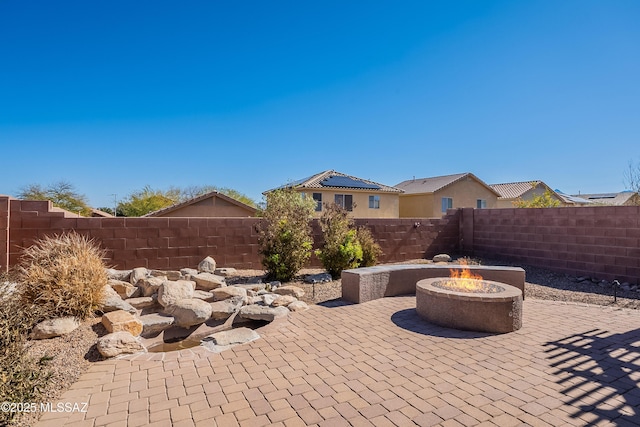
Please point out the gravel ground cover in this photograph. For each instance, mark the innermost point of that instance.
(73, 353)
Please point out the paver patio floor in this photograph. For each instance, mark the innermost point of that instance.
(378, 364)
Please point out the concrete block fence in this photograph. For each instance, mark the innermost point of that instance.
(600, 242)
(171, 243)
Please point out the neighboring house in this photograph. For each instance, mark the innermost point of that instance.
(364, 198)
(431, 197)
(526, 190)
(97, 213)
(573, 201)
(625, 198)
(209, 205)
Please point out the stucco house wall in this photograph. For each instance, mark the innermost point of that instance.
(389, 202)
(465, 194)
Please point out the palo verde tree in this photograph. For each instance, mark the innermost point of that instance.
(62, 194)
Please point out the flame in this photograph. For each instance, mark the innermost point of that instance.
(465, 279)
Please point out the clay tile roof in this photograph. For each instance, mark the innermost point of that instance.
(433, 184)
(513, 190)
(333, 179)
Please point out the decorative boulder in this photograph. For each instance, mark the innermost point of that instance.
(142, 302)
(290, 290)
(207, 265)
(229, 292)
(227, 271)
(118, 274)
(208, 281)
(113, 302)
(54, 327)
(124, 289)
(283, 301)
(117, 343)
(298, 306)
(441, 258)
(259, 312)
(150, 285)
(203, 295)
(138, 274)
(189, 312)
(188, 273)
(117, 321)
(155, 323)
(268, 299)
(221, 310)
(233, 336)
(170, 274)
(171, 292)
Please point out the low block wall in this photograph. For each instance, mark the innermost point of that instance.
(169, 243)
(366, 284)
(602, 242)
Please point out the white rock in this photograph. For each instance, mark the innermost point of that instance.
(259, 312)
(290, 290)
(142, 302)
(124, 289)
(203, 295)
(155, 323)
(227, 271)
(227, 292)
(117, 343)
(233, 336)
(298, 306)
(113, 302)
(54, 327)
(441, 258)
(189, 312)
(137, 274)
(283, 300)
(208, 281)
(150, 285)
(171, 292)
(169, 274)
(207, 265)
(221, 310)
(118, 274)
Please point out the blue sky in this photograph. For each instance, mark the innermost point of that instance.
(115, 95)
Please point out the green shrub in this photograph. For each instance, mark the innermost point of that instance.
(63, 275)
(21, 377)
(370, 249)
(341, 249)
(285, 233)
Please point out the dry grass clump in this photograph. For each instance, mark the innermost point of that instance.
(21, 377)
(63, 275)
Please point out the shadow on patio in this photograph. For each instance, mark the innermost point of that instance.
(600, 372)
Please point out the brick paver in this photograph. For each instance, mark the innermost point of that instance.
(379, 364)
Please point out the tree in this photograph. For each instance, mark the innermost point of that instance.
(62, 194)
(632, 177)
(546, 200)
(147, 200)
(284, 233)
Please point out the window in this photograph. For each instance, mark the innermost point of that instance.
(447, 203)
(318, 198)
(374, 202)
(481, 204)
(344, 201)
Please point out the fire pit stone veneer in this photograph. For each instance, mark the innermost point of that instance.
(493, 307)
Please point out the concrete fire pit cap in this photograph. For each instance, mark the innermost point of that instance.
(507, 292)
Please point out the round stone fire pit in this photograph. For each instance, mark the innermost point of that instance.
(486, 307)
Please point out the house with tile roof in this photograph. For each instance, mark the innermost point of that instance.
(362, 197)
(208, 205)
(624, 198)
(510, 192)
(431, 197)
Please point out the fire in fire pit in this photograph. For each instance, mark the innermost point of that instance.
(466, 301)
(465, 281)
